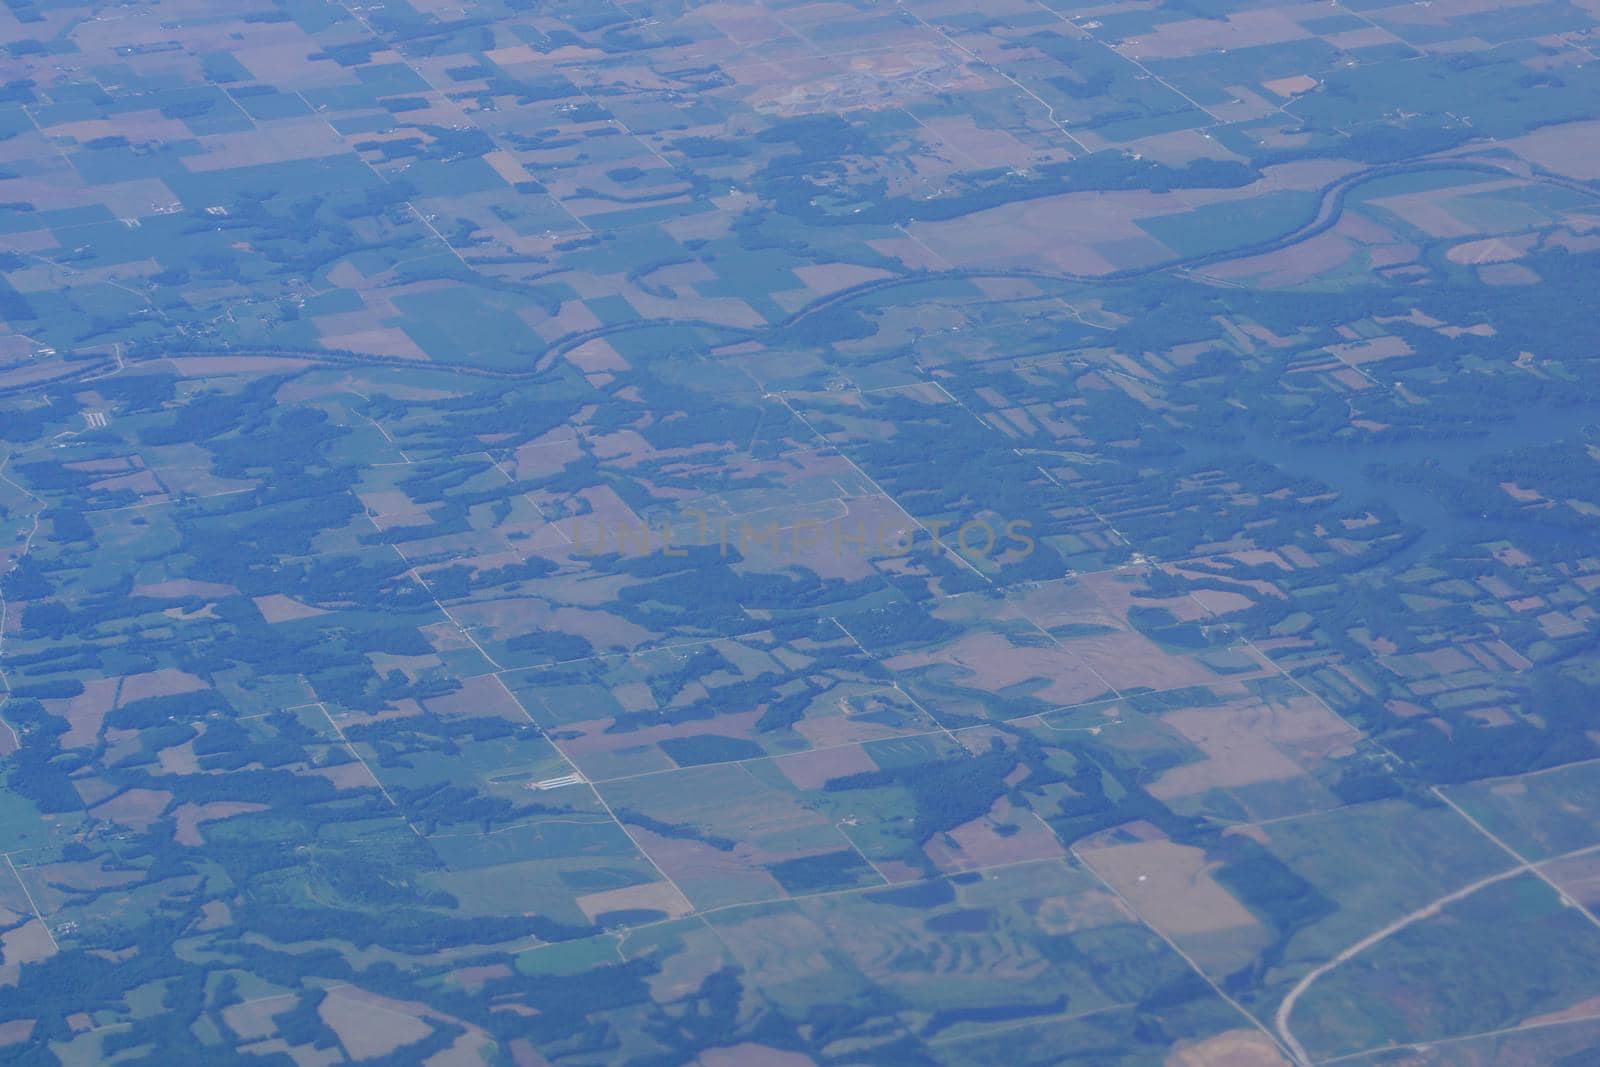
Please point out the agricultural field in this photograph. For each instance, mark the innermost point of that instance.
(766, 532)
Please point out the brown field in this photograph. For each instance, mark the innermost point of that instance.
(1507, 274)
(1295, 265)
(824, 278)
(1366, 37)
(1379, 348)
(180, 759)
(413, 667)
(991, 662)
(16, 1031)
(1065, 602)
(190, 816)
(304, 138)
(1128, 660)
(634, 223)
(276, 607)
(351, 775)
(31, 241)
(391, 509)
(508, 618)
(369, 1026)
(683, 301)
(27, 943)
(85, 712)
(1430, 211)
(1235, 1048)
(1208, 566)
(471, 1049)
(382, 340)
(811, 770)
(656, 896)
(1171, 889)
(54, 885)
(403, 708)
(473, 978)
(825, 546)
(1252, 741)
(1079, 233)
(484, 696)
(523, 1053)
(1187, 37)
(1291, 86)
(596, 355)
(14, 906)
(573, 317)
(1588, 1008)
(710, 877)
(1578, 878)
(981, 845)
(1122, 591)
(135, 807)
(1490, 250)
(184, 474)
(166, 682)
(1220, 602)
(749, 1054)
(1567, 149)
(989, 147)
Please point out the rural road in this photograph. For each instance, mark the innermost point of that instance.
(1280, 1018)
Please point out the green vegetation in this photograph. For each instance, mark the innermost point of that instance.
(855, 533)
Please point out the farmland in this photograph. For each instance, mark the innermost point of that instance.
(846, 532)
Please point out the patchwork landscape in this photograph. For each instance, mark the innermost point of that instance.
(851, 532)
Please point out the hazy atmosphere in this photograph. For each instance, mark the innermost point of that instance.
(738, 534)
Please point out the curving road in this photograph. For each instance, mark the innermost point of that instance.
(1280, 1018)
